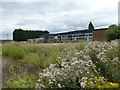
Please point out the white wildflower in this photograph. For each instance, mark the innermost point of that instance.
(59, 85)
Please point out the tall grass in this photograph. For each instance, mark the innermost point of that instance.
(38, 56)
(13, 52)
(41, 56)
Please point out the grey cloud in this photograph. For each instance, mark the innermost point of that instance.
(27, 22)
(55, 16)
(119, 13)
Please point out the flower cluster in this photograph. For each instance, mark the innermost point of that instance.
(105, 56)
(100, 82)
(78, 67)
(68, 70)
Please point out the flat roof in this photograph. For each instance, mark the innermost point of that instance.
(78, 31)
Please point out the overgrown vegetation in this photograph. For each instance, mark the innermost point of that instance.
(97, 59)
(113, 32)
(100, 83)
(14, 52)
(64, 65)
(38, 56)
(24, 80)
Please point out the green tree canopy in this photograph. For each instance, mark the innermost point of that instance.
(19, 35)
(23, 35)
(35, 34)
(90, 27)
(113, 32)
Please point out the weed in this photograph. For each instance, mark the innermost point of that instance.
(13, 52)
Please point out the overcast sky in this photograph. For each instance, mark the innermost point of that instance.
(57, 16)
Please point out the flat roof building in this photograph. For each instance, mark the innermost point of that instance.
(96, 34)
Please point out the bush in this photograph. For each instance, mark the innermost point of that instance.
(68, 72)
(113, 32)
(105, 56)
(78, 67)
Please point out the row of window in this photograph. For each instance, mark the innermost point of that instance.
(86, 36)
(73, 35)
(74, 39)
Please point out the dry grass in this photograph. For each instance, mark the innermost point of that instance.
(58, 46)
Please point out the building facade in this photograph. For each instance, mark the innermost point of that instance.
(99, 35)
(35, 40)
(79, 35)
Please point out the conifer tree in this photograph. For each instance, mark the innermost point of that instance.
(91, 27)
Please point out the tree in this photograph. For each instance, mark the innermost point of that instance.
(113, 32)
(19, 35)
(91, 27)
(35, 34)
(23, 35)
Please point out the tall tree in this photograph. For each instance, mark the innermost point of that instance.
(35, 34)
(19, 35)
(23, 35)
(91, 27)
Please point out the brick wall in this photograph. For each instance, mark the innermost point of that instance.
(99, 35)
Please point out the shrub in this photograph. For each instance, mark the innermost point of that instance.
(77, 67)
(113, 32)
(105, 56)
(67, 73)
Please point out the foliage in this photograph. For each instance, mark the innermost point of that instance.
(38, 56)
(68, 72)
(105, 56)
(100, 83)
(35, 34)
(23, 35)
(69, 65)
(41, 56)
(91, 27)
(78, 67)
(113, 32)
(19, 81)
(13, 52)
(19, 35)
